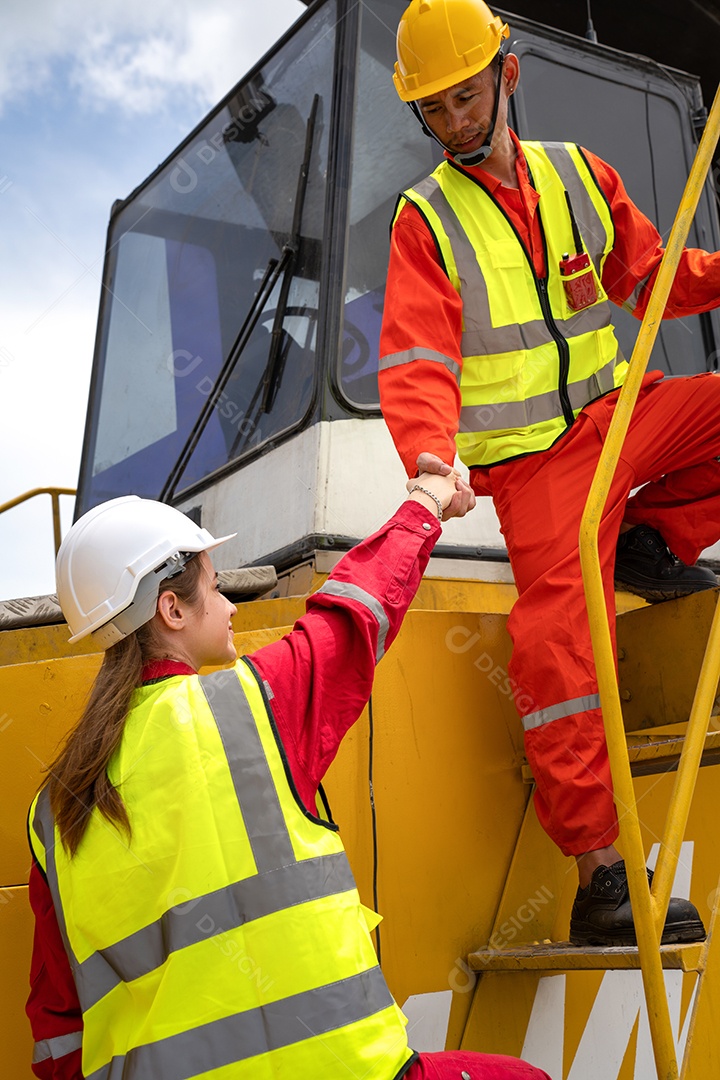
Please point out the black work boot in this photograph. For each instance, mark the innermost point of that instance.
(646, 566)
(601, 914)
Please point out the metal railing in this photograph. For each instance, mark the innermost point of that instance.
(649, 906)
(54, 493)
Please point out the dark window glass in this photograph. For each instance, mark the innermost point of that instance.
(187, 255)
(389, 153)
(641, 132)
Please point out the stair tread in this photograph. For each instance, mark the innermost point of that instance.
(564, 956)
(643, 746)
(649, 754)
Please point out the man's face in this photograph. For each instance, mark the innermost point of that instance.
(460, 117)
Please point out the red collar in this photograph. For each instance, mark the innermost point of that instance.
(159, 669)
(487, 179)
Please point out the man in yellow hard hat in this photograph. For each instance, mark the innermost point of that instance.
(497, 343)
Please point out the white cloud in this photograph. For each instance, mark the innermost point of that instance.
(103, 90)
(135, 55)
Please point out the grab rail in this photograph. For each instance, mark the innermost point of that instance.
(54, 493)
(649, 908)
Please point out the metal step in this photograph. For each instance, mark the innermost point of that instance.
(650, 754)
(563, 956)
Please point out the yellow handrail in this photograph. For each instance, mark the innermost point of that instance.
(54, 493)
(649, 912)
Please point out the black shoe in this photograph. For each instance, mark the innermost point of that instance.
(646, 566)
(601, 914)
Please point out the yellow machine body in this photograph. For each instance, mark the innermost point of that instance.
(464, 874)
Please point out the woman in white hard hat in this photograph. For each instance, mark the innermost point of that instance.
(194, 914)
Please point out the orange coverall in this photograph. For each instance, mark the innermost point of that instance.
(672, 448)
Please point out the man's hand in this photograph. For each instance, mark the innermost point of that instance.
(464, 498)
(462, 501)
(433, 464)
(441, 479)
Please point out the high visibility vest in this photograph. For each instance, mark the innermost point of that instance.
(530, 362)
(227, 937)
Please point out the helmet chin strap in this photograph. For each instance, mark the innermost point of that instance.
(483, 152)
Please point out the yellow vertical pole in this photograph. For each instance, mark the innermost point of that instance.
(647, 928)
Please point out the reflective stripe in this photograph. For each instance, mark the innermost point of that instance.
(531, 334)
(391, 360)
(252, 780)
(44, 826)
(353, 592)
(593, 229)
(632, 301)
(57, 1047)
(204, 917)
(557, 712)
(236, 1038)
(538, 409)
(473, 288)
(479, 336)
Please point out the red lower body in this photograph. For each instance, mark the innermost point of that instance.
(671, 448)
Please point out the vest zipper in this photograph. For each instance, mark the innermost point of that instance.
(562, 346)
(541, 285)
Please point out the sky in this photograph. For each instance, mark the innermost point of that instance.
(93, 96)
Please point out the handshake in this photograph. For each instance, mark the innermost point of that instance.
(440, 488)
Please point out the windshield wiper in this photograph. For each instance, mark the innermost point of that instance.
(272, 272)
(278, 348)
(280, 340)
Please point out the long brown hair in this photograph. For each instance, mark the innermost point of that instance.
(78, 780)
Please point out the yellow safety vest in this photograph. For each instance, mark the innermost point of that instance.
(530, 362)
(227, 938)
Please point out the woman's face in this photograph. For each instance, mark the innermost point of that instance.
(208, 636)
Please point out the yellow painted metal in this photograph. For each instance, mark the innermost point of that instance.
(660, 655)
(54, 493)
(649, 916)
(16, 931)
(661, 753)
(702, 1055)
(561, 956)
(506, 1003)
(462, 860)
(695, 737)
(40, 703)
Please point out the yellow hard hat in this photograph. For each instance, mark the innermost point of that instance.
(442, 42)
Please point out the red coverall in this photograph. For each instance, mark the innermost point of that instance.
(317, 696)
(672, 446)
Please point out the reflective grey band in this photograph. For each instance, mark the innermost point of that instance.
(480, 337)
(499, 416)
(57, 1047)
(44, 826)
(349, 591)
(591, 226)
(632, 301)
(561, 710)
(253, 782)
(204, 917)
(531, 335)
(477, 322)
(258, 1031)
(391, 360)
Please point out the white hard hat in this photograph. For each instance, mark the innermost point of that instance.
(111, 563)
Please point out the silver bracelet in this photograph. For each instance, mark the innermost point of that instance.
(419, 487)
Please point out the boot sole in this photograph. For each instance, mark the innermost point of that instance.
(655, 595)
(686, 933)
